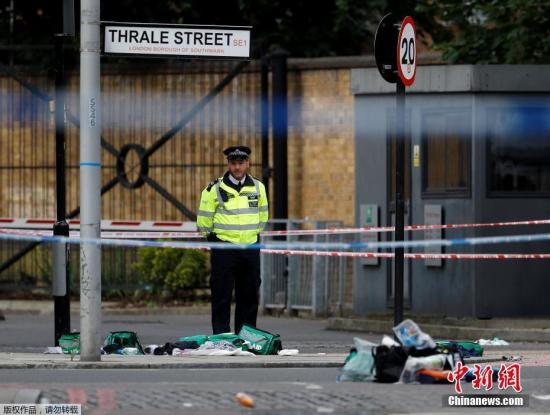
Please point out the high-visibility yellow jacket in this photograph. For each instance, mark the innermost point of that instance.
(233, 216)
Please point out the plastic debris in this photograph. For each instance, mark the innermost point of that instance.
(414, 364)
(512, 358)
(219, 348)
(388, 341)
(53, 350)
(359, 364)
(410, 335)
(245, 399)
(493, 342)
(427, 376)
(288, 352)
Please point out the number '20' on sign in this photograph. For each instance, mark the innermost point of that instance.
(406, 51)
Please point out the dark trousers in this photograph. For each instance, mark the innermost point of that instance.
(237, 268)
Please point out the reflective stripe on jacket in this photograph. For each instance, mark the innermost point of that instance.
(236, 217)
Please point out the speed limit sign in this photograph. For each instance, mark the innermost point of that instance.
(406, 51)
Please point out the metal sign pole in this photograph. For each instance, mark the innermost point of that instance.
(90, 180)
(399, 262)
(61, 284)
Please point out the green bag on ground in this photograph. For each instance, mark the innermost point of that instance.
(232, 338)
(261, 341)
(466, 348)
(124, 339)
(70, 343)
(200, 339)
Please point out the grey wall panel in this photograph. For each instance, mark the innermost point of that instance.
(509, 288)
(370, 284)
(461, 287)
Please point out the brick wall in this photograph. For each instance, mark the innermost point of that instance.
(140, 105)
(321, 160)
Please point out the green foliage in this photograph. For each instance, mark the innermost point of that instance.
(467, 31)
(488, 31)
(302, 27)
(173, 270)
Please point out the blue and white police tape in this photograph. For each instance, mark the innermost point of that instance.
(11, 235)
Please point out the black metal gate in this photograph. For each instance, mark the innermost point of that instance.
(164, 130)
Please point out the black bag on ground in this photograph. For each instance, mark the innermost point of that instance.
(389, 362)
(414, 352)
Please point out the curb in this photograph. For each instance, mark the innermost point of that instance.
(58, 361)
(197, 365)
(442, 331)
(225, 365)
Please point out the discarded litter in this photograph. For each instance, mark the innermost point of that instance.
(493, 342)
(415, 359)
(414, 364)
(388, 341)
(261, 341)
(466, 348)
(410, 335)
(53, 350)
(217, 348)
(245, 399)
(150, 349)
(428, 377)
(122, 342)
(512, 358)
(70, 343)
(359, 365)
(131, 351)
(389, 363)
(288, 352)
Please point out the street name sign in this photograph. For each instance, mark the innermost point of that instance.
(406, 51)
(186, 41)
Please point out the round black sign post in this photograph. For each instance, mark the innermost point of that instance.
(385, 40)
(388, 57)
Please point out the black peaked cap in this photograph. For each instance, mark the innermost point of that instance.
(237, 152)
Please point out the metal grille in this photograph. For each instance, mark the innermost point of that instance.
(183, 118)
(316, 283)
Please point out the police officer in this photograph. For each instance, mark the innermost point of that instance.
(233, 209)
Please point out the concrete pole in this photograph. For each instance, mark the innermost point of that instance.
(90, 181)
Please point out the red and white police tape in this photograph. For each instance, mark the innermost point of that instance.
(407, 255)
(449, 256)
(170, 229)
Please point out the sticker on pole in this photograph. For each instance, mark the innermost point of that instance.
(406, 51)
(150, 40)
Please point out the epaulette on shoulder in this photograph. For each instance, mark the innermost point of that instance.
(212, 183)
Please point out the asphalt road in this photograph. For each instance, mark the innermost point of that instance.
(275, 391)
(33, 333)
(289, 391)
